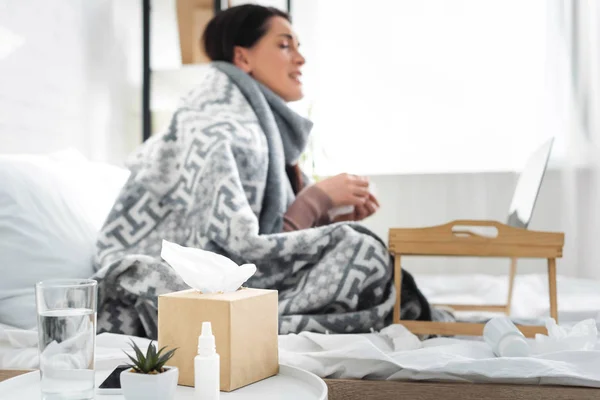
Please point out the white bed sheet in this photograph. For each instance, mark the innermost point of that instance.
(372, 356)
(578, 299)
(18, 348)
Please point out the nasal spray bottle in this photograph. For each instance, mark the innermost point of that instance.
(207, 366)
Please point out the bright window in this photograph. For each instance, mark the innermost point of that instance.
(413, 86)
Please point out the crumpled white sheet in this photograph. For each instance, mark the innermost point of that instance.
(19, 348)
(372, 356)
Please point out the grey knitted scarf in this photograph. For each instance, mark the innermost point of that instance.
(287, 136)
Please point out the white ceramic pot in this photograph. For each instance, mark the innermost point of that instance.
(150, 387)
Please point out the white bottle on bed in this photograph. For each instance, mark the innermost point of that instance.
(505, 339)
(207, 366)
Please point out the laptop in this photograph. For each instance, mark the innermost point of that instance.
(528, 187)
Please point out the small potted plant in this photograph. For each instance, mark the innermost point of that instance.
(149, 378)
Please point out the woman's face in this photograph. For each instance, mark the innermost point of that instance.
(275, 60)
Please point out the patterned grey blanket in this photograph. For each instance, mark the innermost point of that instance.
(216, 180)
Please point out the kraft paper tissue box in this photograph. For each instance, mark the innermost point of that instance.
(245, 325)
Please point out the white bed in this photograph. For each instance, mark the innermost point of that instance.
(49, 203)
(375, 356)
(372, 356)
(578, 299)
(18, 348)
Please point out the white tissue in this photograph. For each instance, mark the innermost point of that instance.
(206, 271)
(343, 210)
(582, 336)
(76, 352)
(402, 339)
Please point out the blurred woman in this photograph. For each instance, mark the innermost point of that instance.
(224, 177)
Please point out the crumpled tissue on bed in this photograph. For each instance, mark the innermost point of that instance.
(401, 338)
(582, 336)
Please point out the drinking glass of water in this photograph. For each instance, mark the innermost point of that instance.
(66, 310)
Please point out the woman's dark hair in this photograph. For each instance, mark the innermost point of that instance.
(237, 26)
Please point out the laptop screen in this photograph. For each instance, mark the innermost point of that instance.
(528, 187)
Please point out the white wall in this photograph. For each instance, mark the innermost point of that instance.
(42, 83)
(73, 81)
(113, 61)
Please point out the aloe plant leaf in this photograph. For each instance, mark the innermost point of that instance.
(138, 353)
(160, 351)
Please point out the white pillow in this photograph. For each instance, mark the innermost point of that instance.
(51, 208)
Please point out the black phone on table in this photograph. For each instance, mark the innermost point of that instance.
(112, 383)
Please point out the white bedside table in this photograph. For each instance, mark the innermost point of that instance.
(291, 384)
